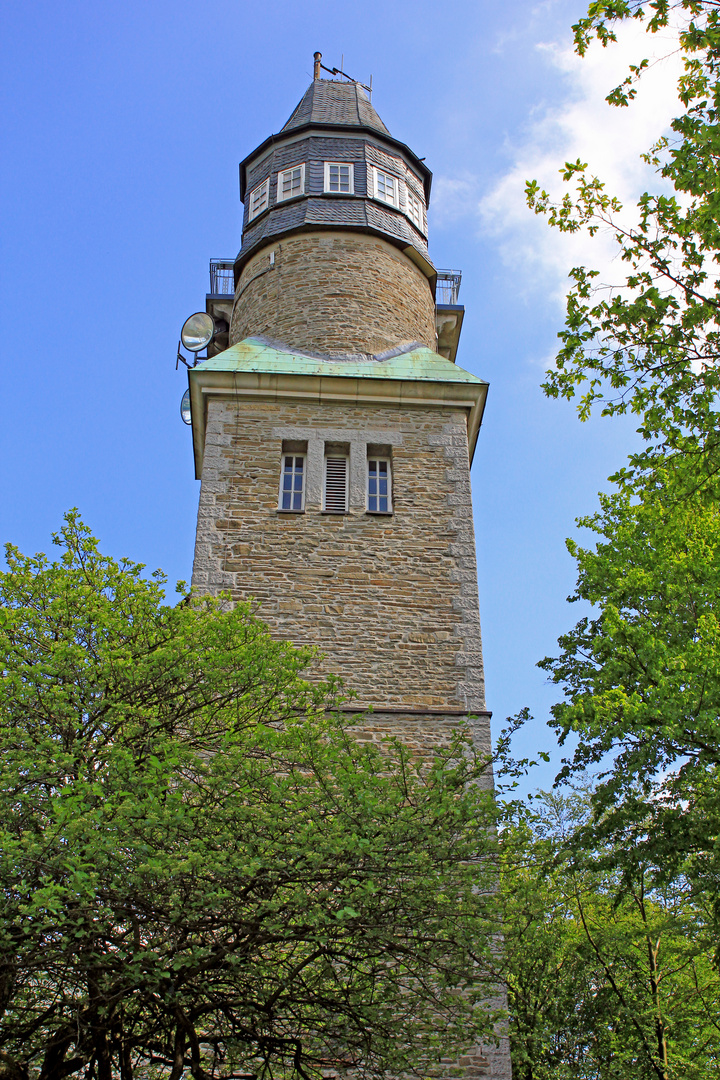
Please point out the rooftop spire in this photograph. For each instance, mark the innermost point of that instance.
(316, 70)
(330, 101)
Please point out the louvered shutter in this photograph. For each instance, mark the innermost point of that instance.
(336, 487)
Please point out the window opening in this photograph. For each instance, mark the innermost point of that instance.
(379, 497)
(291, 182)
(414, 210)
(386, 187)
(336, 485)
(339, 177)
(292, 483)
(259, 199)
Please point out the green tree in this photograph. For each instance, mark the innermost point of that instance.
(641, 674)
(649, 341)
(609, 975)
(632, 888)
(201, 869)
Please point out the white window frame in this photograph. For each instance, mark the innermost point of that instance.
(378, 458)
(344, 165)
(259, 199)
(293, 472)
(414, 204)
(336, 458)
(281, 179)
(381, 196)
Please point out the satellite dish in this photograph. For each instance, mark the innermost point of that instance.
(198, 331)
(185, 408)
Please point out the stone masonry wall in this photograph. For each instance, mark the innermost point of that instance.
(334, 293)
(391, 601)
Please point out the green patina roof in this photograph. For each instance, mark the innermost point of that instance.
(419, 364)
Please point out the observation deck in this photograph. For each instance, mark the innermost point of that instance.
(449, 313)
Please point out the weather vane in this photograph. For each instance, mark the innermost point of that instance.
(337, 71)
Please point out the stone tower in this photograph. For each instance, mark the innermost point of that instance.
(333, 433)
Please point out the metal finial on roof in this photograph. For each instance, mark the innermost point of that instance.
(318, 67)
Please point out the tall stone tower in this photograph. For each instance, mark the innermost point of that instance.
(333, 431)
(332, 440)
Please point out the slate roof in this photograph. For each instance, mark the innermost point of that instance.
(359, 136)
(341, 213)
(340, 103)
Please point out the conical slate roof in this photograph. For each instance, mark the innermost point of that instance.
(328, 102)
(334, 118)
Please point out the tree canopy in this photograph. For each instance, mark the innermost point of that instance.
(640, 670)
(640, 676)
(202, 869)
(649, 341)
(609, 974)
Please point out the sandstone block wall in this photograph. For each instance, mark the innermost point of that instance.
(485, 1060)
(391, 601)
(334, 293)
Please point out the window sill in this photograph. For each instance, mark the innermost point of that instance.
(335, 513)
(387, 202)
(290, 512)
(379, 513)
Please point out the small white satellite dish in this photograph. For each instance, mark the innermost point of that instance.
(185, 408)
(198, 331)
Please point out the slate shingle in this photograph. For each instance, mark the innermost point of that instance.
(328, 102)
(344, 105)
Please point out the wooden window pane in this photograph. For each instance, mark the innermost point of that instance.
(338, 178)
(292, 487)
(378, 490)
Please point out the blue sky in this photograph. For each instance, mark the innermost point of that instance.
(124, 126)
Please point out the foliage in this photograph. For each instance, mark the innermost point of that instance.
(642, 677)
(650, 341)
(201, 868)
(608, 975)
(619, 914)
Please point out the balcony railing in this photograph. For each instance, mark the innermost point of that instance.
(448, 286)
(222, 281)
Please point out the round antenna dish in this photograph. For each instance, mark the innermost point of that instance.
(198, 331)
(185, 408)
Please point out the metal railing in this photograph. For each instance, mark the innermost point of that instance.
(448, 286)
(222, 281)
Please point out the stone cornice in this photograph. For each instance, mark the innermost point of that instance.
(417, 378)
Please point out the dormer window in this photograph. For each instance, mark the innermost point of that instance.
(415, 211)
(339, 178)
(291, 182)
(386, 187)
(259, 199)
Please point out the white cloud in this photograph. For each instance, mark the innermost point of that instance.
(454, 198)
(583, 126)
